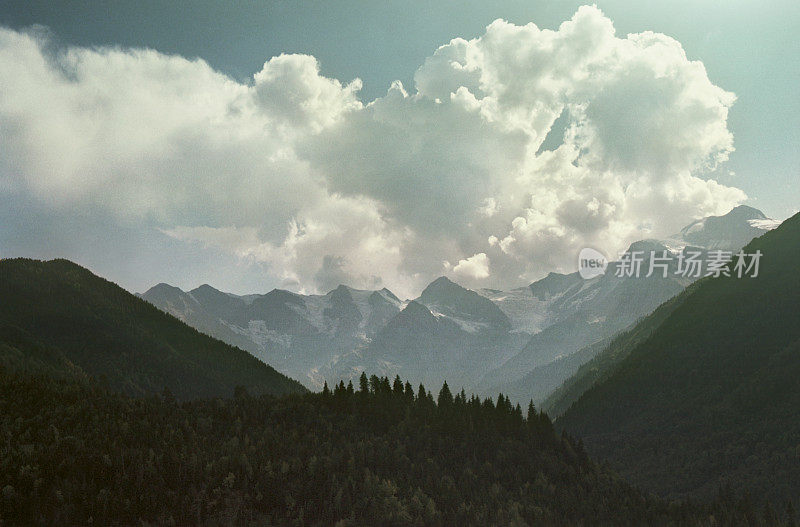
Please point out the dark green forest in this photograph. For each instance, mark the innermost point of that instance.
(76, 453)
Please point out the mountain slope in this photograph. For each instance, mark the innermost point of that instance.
(585, 313)
(58, 315)
(602, 359)
(711, 395)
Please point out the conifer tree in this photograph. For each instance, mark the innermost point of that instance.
(445, 397)
(397, 387)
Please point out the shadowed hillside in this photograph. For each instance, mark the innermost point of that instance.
(710, 396)
(58, 316)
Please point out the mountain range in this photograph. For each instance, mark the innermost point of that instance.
(524, 342)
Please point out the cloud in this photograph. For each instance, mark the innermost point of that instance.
(475, 267)
(290, 90)
(292, 173)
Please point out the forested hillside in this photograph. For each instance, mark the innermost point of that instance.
(58, 316)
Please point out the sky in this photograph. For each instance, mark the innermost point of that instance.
(300, 145)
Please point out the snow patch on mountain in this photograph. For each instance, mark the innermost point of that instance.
(470, 326)
(261, 335)
(527, 313)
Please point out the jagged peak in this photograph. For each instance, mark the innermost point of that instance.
(746, 210)
(384, 296)
(441, 284)
(341, 294)
(341, 289)
(282, 295)
(416, 308)
(552, 284)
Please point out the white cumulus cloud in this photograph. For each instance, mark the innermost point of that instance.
(292, 172)
(475, 267)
